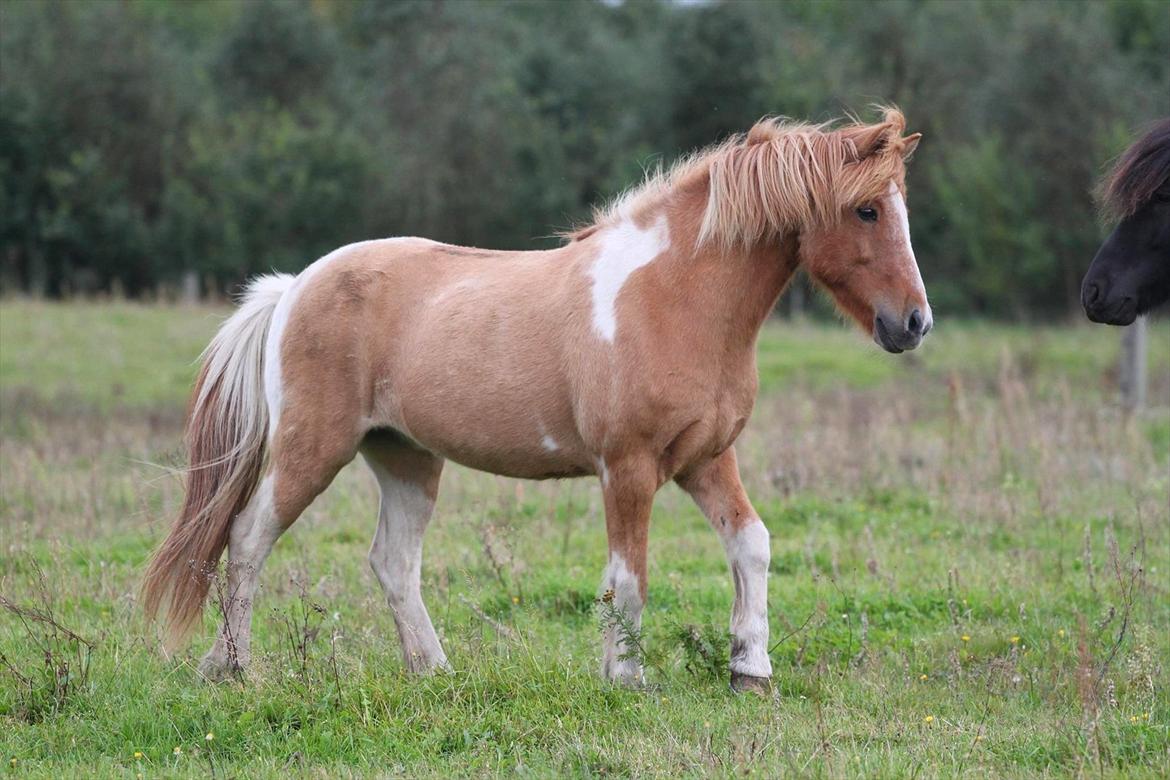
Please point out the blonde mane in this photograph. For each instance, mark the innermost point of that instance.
(779, 176)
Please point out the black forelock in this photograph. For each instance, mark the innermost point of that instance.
(1141, 171)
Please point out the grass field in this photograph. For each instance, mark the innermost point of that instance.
(970, 577)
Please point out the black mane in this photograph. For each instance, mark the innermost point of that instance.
(1140, 172)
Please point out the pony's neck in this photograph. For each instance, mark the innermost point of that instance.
(743, 284)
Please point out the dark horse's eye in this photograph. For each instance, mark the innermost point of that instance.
(867, 214)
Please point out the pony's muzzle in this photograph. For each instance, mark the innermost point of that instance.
(1105, 306)
(896, 335)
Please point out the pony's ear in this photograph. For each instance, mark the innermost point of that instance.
(869, 139)
(909, 144)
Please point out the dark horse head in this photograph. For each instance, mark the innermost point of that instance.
(1131, 273)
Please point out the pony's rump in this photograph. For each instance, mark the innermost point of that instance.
(227, 430)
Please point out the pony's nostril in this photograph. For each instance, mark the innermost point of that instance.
(1092, 292)
(914, 324)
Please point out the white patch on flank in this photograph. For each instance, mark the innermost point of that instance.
(603, 472)
(624, 249)
(627, 599)
(748, 554)
(273, 380)
(550, 443)
(902, 220)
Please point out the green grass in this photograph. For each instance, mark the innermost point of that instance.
(960, 539)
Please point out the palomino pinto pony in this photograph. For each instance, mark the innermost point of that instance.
(628, 353)
(1131, 273)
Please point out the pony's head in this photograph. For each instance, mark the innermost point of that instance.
(861, 253)
(1131, 273)
(842, 193)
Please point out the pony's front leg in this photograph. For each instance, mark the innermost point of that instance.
(629, 488)
(716, 488)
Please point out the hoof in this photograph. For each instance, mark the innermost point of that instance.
(217, 670)
(633, 682)
(626, 674)
(746, 683)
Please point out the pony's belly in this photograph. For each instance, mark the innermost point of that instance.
(497, 450)
(502, 433)
(519, 465)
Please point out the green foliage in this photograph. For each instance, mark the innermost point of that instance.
(1001, 255)
(141, 141)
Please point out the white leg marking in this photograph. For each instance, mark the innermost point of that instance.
(396, 558)
(748, 554)
(623, 585)
(251, 539)
(624, 249)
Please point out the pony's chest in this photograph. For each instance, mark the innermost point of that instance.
(700, 419)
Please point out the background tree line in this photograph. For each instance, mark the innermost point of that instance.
(142, 141)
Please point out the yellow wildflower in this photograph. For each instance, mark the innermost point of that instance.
(929, 719)
(1060, 633)
(965, 638)
(210, 736)
(138, 754)
(922, 677)
(178, 751)
(1015, 640)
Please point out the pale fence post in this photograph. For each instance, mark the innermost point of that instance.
(190, 294)
(1133, 365)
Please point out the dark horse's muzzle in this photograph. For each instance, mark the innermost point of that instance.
(1107, 303)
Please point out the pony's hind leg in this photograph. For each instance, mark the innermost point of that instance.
(252, 536)
(409, 482)
(716, 488)
(305, 459)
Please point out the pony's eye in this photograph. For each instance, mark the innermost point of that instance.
(867, 214)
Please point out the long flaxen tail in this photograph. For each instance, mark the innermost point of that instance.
(227, 434)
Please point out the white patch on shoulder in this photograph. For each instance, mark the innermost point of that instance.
(902, 220)
(549, 443)
(273, 381)
(624, 249)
